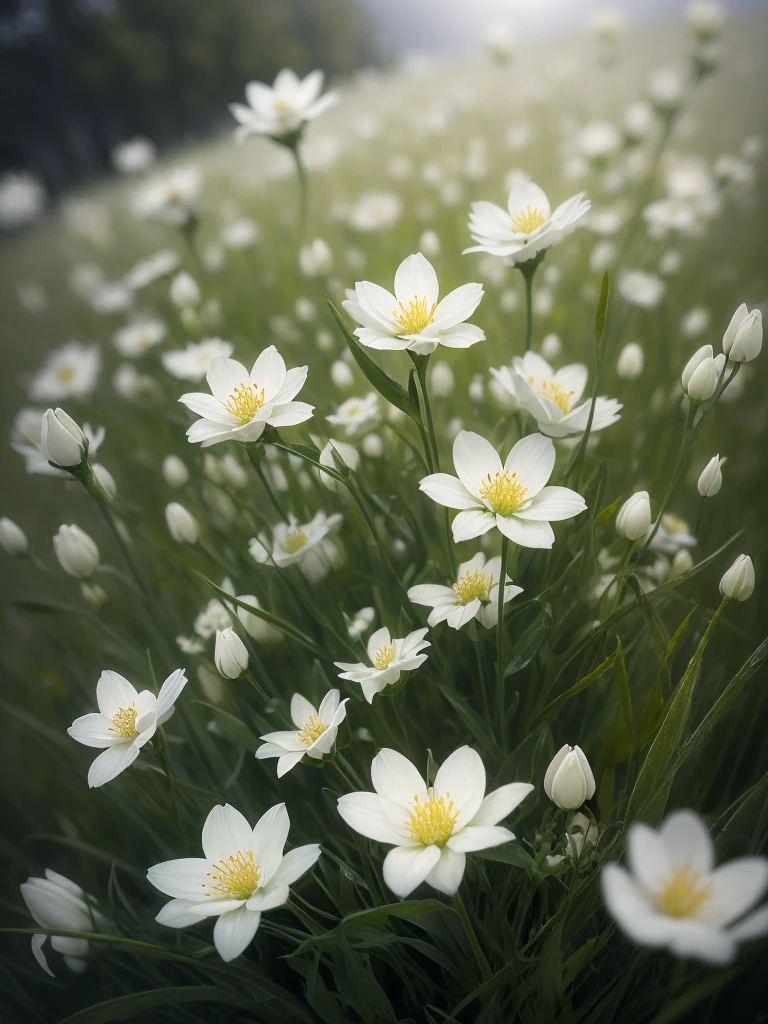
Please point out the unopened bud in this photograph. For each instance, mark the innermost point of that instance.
(633, 520)
(569, 780)
(739, 582)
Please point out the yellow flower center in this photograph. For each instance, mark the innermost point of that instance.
(281, 107)
(244, 402)
(416, 317)
(312, 730)
(471, 586)
(233, 879)
(526, 221)
(124, 722)
(384, 656)
(504, 493)
(295, 540)
(66, 375)
(556, 394)
(683, 893)
(431, 823)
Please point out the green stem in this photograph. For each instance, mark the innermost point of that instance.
(248, 676)
(500, 701)
(303, 191)
(458, 905)
(528, 269)
(159, 748)
(255, 455)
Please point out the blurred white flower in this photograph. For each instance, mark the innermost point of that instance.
(139, 337)
(638, 121)
(240, 234)
(184, 291)
(126, 721)
(341, 374)
(672, 535)
(360, 622)
(171, 197)
(374, 211)
(631, 361)
(22, 199)
(475, 594)
(308, 544)
(147, 271)
(666, 88)
(695, 322)
(348, 455)
(357, 414)
(705, 17)
(134, 155)
(76, 552)
(388, 660)
(71, 371)
(315, 259)
(641, 288)
(599, 140)
(314, 736)
(175, 472)
(193, 361)
(499, 42)
(57, 903)
(256, 627)
(182, 525)
(13, 540)
(284, 108)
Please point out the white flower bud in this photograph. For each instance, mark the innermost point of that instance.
(341, 374)
(184, 291)
(105, 478)
(699, 377)
(373, 446)
(305, 310)
(682, 562)
(711, 479)
(631, 361)
(61, 439)
(93, 594)
(551, 346)
(633, 520)
(175, 471)
(76, 552)
(255, 627)
(348, 455)
(476, 388)
(441, 380)
(315, 259)
(183, 526)
(230, 654)
(666, 88)
(743, 338)
(739, 582)
(569, 780)
(12, 537)
(705, 17)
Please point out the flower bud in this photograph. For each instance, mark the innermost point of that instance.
(61, 439)
(711, 479)
(631, 361)
(175, 472)
(569, 780)
(341, 374)
(316, 259)
(183, 526)
(633, 520)
(373, 446)
(105, 478)
(76, 552)
(93, 594)
(230, 654)
(12, 537)
(743, 338)
(429, 243)
(551, 346)
(699, 377)
(739, 582)
(705, 18)
(441, 380)
(184, 291)
(259, 629)
(682, 562)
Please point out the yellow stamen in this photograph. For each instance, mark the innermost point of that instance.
(281, 107)
(416, 317)
(504, 493)
(233, 879)
(124, 722)
(295, 540)
(312, 730)
(66, 375)
(683, 893)
(526, 221)
(431, 823)
(384, 656)
(556, 394)
(244, 402)
(471, 586)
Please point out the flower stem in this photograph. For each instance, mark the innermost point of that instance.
(458, 905)
(255, 455)
(303, 191)
(528, 269)
(500, 701)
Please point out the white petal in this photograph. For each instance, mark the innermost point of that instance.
(532, 459)
(113, 691)
(329, 705)
(269, 835)
(184, 879)
(271, 896)
(528, 533)
(94, 731)
(373, 817)
(461, 779)
(688, 841)
(290, 414)
(648, 857)
(209, 408)
(501, 802)
(753, 926)
(294, 382)
(301, 710)
(416, 279)
(527, 193)
(474, 459)
(296, 863)
(395, 778)
(447, 490)
(234, 932)
(177, 914)
(479, 837)
(630, 909)
(225, 832)
(553, 504)
(698, 942)
(377, 639)
(458, 306)
(406, 867)
(447, 874)
(736, 887)
(468, 525)
(224, 375)
(269, 373)
(38, 941)
(288, 761)
(111, 762)
(170, 691)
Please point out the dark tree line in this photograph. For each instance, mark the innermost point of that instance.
(78, 76)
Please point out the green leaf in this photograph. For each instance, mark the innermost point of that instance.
(508, 853)
(365, 920)
(126, 1007)
(604, 517)
(387, 388)
(527, 645)
(602, 307)
(584, 682)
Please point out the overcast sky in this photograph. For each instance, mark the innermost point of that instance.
(456, 26)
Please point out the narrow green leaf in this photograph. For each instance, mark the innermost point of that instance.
(602, 307)
(530, 641)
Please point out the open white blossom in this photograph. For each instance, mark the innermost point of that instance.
(513, 496)
(357, 415)
(243, 403)
(193, 361)
(170, 197)
(413, 318)
(552, 397)
(673, 896)
(432, 829)
(243, 872)
(388, 659)
(314, 735)
(308, 544)
(283, 108)
(71, 371)
(475, 594)
(527, 227)
(126, 720)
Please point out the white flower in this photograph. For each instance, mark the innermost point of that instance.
(527, 227)
(149, 270)
(126, 721)
(315, 259)
(57, 903)
(569, 780)
(314, 735)
(699, 376)
(513, 497)
(243, 403)
(193, 361)
(499, 41)
(169, 198)
(182, 525)
(633, 520)
(711, 478)
(243, 872)
(341, 374)
(22, 198)
(61, 439)
(641, 288)
(230, 654)
(413, 318)
(360, 621)
(284, 108)
(175, 472)
(139, 337)
(552, 396)
(666, 88)
(695, 322)
(70, 372)
(432, 829)
(388, 658)
(13, 540)
(673, 896)
(356, 414)
(240, 234)
(598, 140)
(739, 581)
(76, 552)
(184, 291)
(257, 628)
(308, 544)
(743, 338)
(672, 535)
(441, 379)
(374, 211)
(705, 17)
(631, 361)
(134, 155)
(475, 594)
(213, 617)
